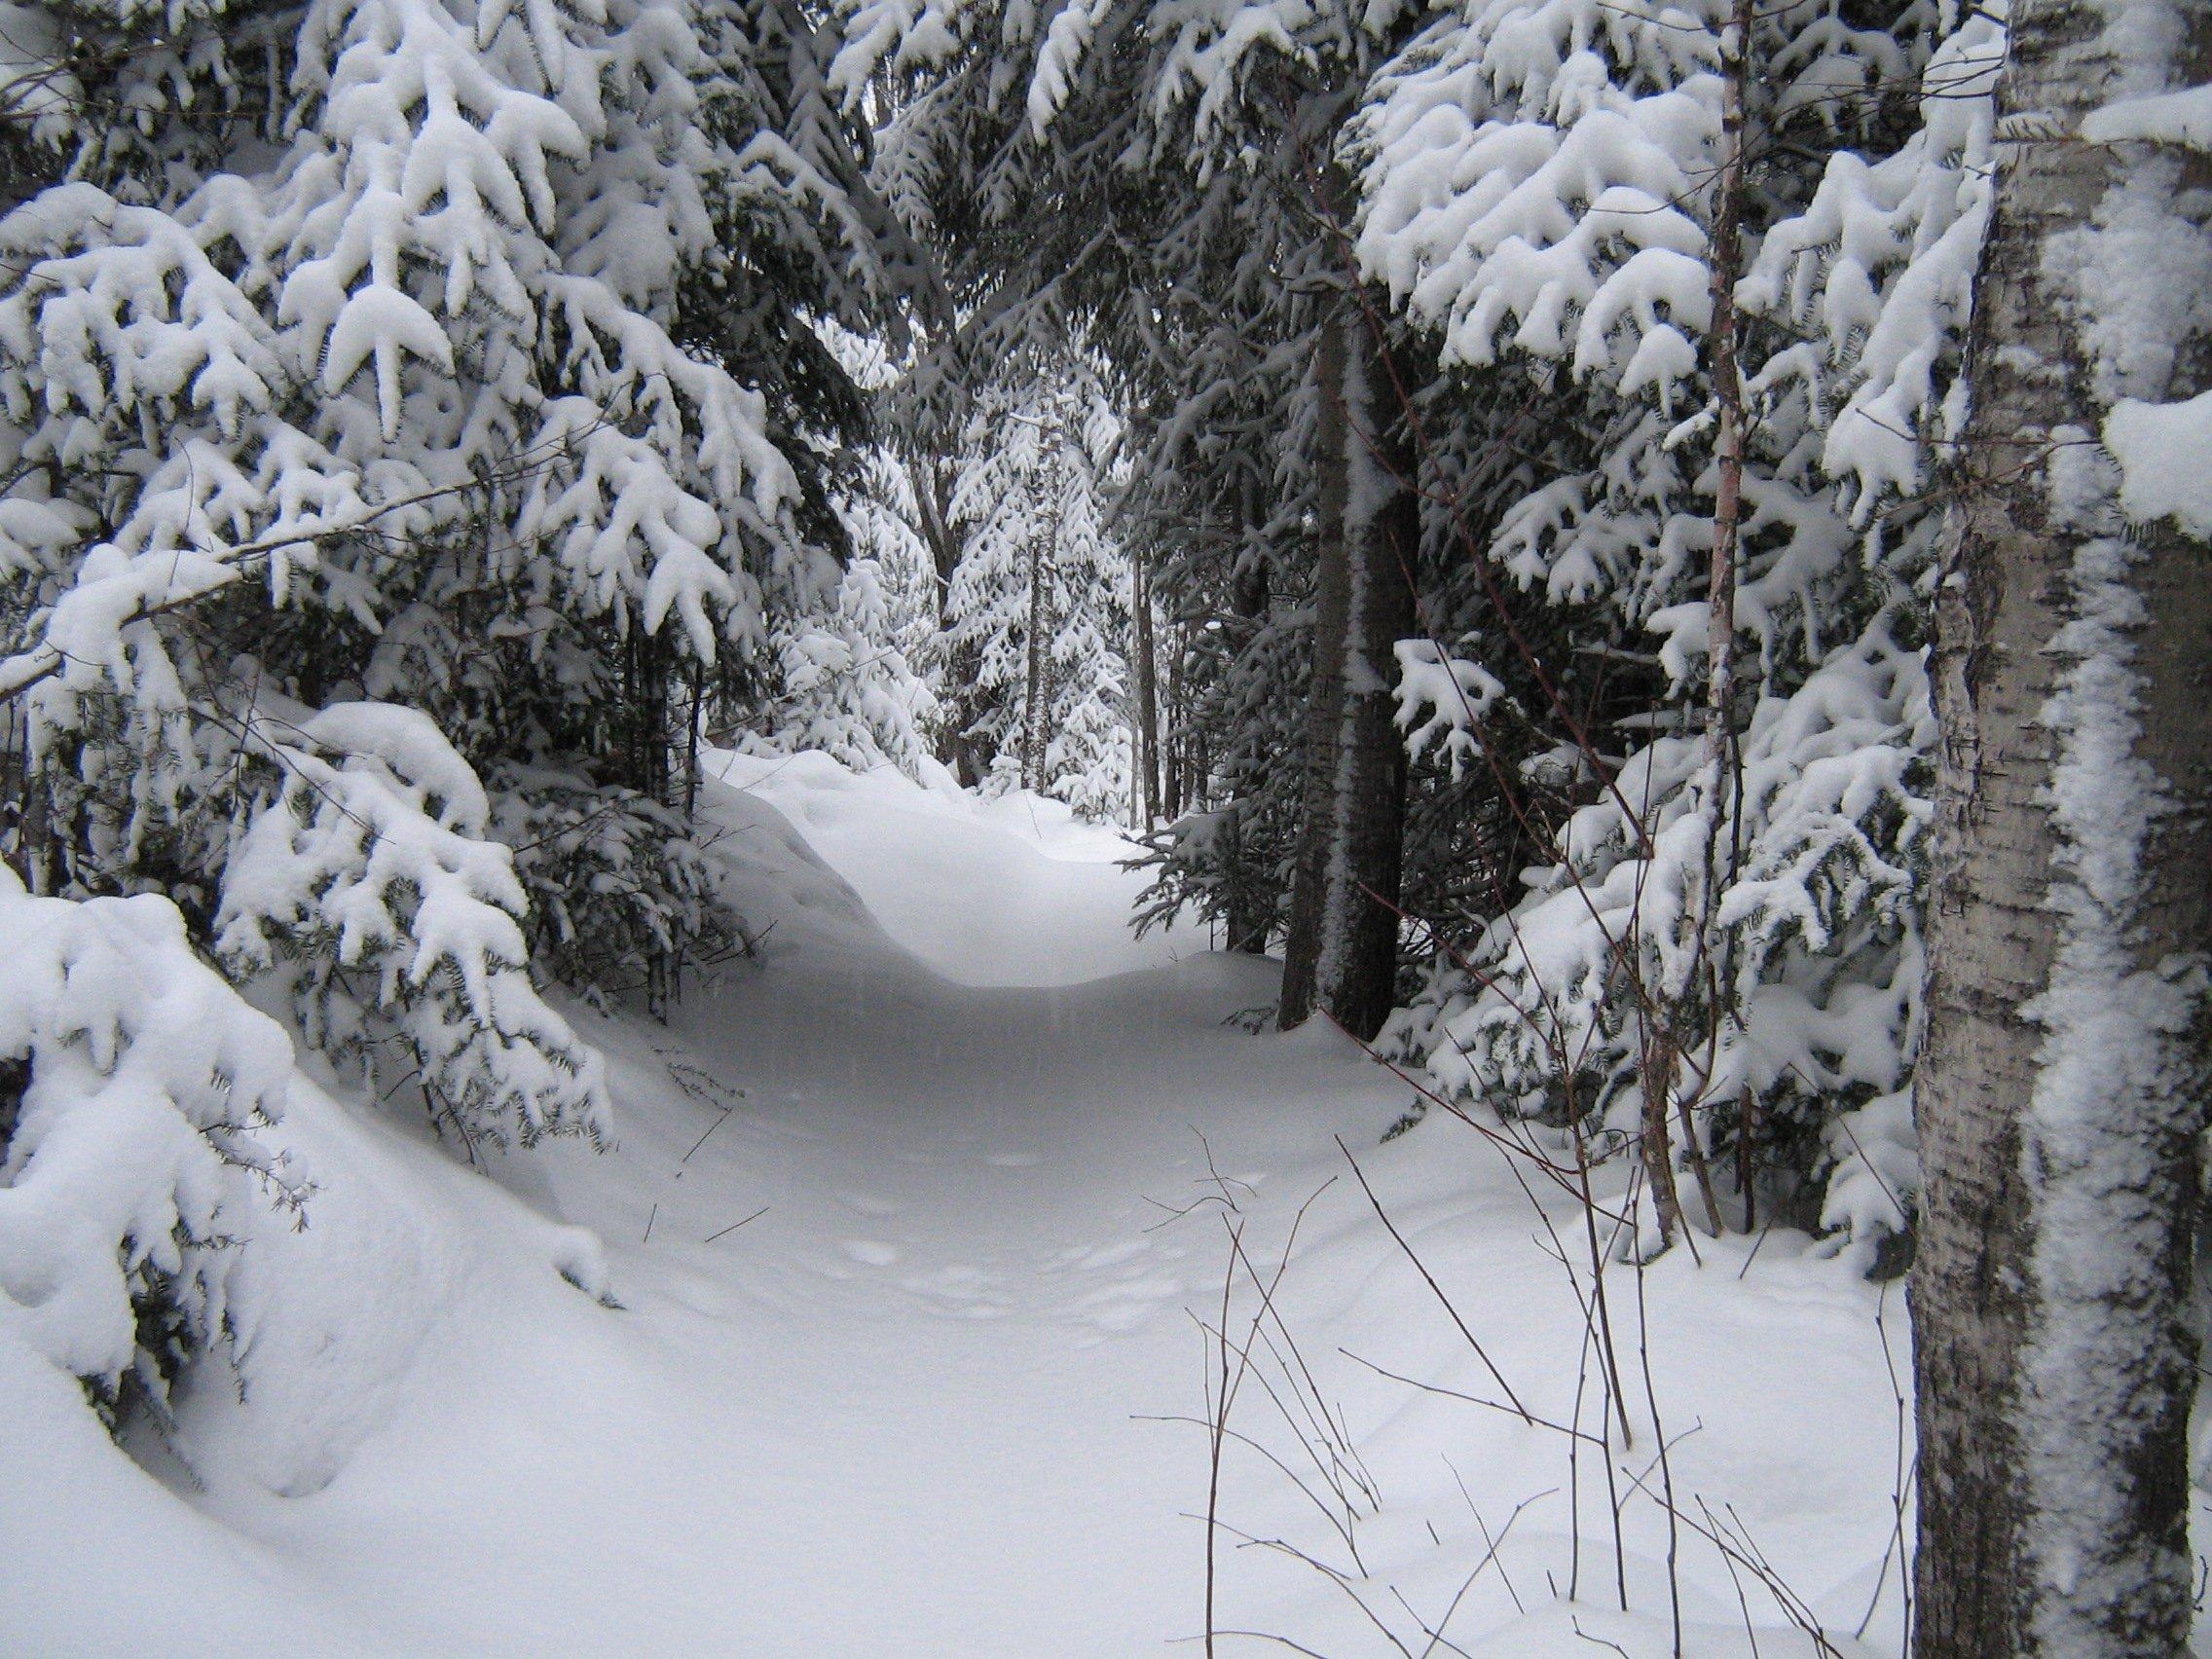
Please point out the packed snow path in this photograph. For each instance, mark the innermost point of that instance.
(940, 1328)
(909, 1407)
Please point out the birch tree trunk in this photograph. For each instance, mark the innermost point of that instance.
(2062, 1086)
(1342, 953)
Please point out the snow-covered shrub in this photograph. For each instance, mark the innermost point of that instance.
(1089, 750)
(1537, 191)
(131, 1082)
(1201, 862)
(847, 685)
(456, 357)
(622, 893)
(366, 880)
(1818, 927)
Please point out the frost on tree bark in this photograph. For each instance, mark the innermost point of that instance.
(2063, 1084)
(1342, 953)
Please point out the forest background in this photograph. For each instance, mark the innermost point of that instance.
(1516, 503)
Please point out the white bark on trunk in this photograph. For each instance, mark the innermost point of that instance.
(2062, 1086)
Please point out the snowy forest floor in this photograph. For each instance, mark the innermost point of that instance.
(911, 1407)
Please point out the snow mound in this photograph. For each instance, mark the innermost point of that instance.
(343, 1320)
(962, 881)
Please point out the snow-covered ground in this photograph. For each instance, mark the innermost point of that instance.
(914, 1404)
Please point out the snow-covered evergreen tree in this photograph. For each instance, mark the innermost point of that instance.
(1549, 185)
(1038, 601)
(370, 879)
(133, 1083)
(454, 358)
(849, 686)
(853, 669)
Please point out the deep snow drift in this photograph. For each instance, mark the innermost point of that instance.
(914, 1406)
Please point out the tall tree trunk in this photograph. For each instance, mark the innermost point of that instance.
(1171, 772)
(2062, 1086)
(1148, 694)
(932, 483)
(1342, 954)
(1250, 912)
(1033, 696)
(692, 724)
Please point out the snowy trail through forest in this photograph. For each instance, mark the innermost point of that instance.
(955, 1125)
(898, 1325)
